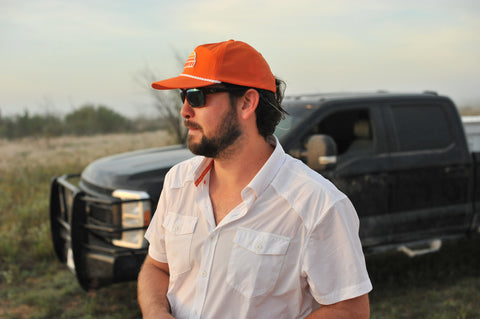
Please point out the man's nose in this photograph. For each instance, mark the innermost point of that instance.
(187, 110)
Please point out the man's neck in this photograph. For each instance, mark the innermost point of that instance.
(230, 175)
(241, 164)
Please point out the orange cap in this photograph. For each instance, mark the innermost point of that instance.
(231, 61)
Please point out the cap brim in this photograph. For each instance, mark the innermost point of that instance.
(182, 82)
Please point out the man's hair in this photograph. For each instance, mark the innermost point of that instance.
(269, 111)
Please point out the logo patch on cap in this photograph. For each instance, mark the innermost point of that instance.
(192, 59)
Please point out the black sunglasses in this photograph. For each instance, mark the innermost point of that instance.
(197, 97)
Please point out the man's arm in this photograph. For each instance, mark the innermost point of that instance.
(152, 289)
(358, 307)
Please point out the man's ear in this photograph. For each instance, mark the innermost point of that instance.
(249, 103)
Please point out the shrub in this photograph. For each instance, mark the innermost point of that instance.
(26, 125)
(86, 120)
(89, 120)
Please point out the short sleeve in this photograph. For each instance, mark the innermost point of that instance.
(333, 260)
(155, 233)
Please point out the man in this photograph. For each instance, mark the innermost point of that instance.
(244, 230)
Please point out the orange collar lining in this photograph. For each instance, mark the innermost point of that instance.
(205, 171)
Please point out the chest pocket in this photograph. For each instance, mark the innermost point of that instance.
(255, 261)
(178, 242)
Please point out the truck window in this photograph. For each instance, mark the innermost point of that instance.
(421, 127)
(297, 115)
(351, 130)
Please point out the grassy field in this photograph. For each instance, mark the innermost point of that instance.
(34, 285)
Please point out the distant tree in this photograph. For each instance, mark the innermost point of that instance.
(53, 125)
(88, 120)
(19, 126)
(167, 103)
(110, 121)
(7, 128)
(81, 121)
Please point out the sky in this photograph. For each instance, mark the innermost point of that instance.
(56, 56)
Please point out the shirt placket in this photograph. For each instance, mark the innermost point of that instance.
(208, 251)
(209, 246)
(203, 278)
(208, 255)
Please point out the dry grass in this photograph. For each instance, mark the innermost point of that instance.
(52, 151)
(33, 284)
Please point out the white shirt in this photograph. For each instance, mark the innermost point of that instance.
(292, 241)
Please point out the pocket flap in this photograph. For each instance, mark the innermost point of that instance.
(261, 243)
(180, 224)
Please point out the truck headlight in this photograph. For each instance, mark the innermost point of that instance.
(135, 214)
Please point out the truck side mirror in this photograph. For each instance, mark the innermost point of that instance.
(321, 152)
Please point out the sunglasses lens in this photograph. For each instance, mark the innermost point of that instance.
(195, 97)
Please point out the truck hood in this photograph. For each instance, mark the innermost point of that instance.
(138, 170)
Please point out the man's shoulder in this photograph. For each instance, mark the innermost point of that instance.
(296, 174)
(183, 171)
(303, 187)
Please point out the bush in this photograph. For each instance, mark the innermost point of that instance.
(25, 125)
(86, 120)
(89, 120)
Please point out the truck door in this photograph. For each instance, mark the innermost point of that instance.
(429, 183)
(361, 162)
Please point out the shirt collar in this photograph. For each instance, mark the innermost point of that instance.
(268, 171)
(264, 176)
(203, 170)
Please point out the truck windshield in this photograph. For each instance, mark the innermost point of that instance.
(297, 116)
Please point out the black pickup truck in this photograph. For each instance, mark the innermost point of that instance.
(402, 159)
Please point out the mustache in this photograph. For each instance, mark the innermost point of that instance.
(190, 124)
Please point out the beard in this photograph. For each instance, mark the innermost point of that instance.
(215, 147)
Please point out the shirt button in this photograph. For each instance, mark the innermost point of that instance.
(259, 246)
(204, 274)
